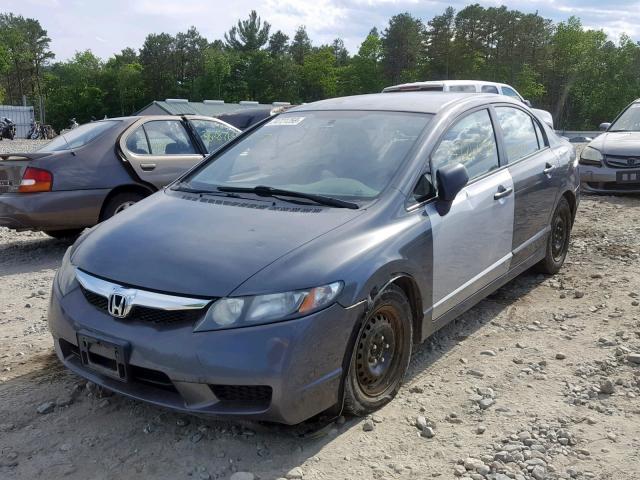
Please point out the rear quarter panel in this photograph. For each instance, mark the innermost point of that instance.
(93, 166)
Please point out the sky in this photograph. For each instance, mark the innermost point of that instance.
(106, 27)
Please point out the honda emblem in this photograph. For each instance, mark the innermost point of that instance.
(119, 304)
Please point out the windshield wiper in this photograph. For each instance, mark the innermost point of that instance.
(184, 187)
(265, 191)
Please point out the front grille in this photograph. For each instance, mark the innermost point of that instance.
(96, 300)
(147, 314)
(619, 161)
(254, 394)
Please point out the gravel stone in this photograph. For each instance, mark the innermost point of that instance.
(46, 407)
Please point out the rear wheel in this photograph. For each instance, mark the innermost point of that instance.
(558, 241)
(381, 354)
(119, 203)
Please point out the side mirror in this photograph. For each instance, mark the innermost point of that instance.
(604, 126)
(527, 103)
(451, 180)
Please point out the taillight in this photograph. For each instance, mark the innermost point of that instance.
(35, 180)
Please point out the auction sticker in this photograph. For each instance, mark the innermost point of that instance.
(286, 120)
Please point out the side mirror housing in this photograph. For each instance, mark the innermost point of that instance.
(527, 103)
(451, 180)
(604, 126)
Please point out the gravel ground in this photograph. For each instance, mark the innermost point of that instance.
(539, 381)
(20, 145)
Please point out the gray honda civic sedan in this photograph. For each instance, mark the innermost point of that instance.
(292, 272)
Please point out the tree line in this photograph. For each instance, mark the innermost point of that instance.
(578, 74)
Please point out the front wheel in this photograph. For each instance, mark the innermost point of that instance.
(558, 241)
(380, 355)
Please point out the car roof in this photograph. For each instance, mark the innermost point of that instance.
(439, 83)
(419, 102)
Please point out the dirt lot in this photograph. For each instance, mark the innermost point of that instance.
(540, 381)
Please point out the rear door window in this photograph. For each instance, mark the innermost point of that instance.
(213, 134)
(471, 142)
(518, 131)
(168, 137)
(137, 142)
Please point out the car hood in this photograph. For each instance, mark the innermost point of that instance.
(618, 143)
(183, 244)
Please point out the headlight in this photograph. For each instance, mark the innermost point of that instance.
(245, 311)
(66, 276)
(591, 156)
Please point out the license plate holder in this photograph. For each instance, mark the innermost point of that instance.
(628, 177)
(106, 357)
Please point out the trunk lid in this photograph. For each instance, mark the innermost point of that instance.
(12, 167)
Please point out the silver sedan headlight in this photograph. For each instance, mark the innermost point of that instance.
(235, 312)
(591, 156)
(66, 276)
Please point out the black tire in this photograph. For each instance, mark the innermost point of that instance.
(558, 241)
(373, 379)
(119, 202)
(70, 234)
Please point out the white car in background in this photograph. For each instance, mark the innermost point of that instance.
(471, 86)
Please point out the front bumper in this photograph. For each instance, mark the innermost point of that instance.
(51, 210)
(300, 362)
(604, 180)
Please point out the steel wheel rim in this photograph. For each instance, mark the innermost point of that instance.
(378, 352)
(559, 237)
(124, 206)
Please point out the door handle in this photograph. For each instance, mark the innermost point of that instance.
(548, 168)
(147, 167)
(502, 192)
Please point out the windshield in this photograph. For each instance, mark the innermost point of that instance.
(78, 137)
(348, 154)
(629, 121)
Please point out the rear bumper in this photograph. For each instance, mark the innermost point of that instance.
(604, 180)
(51, 210)
(298, 362)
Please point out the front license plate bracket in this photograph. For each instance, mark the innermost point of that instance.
(106, 357)
(629, 177)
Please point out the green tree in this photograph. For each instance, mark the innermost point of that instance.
(440, 33)
(157, 57)
(248, 35)
(217, 68)
(402, 47)
(278, 44)
(318, 75)
(73, 90)
(367, 65)
(25, 47)
(189, 58)
(301, 45)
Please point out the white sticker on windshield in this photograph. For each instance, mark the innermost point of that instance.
(286, 120)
